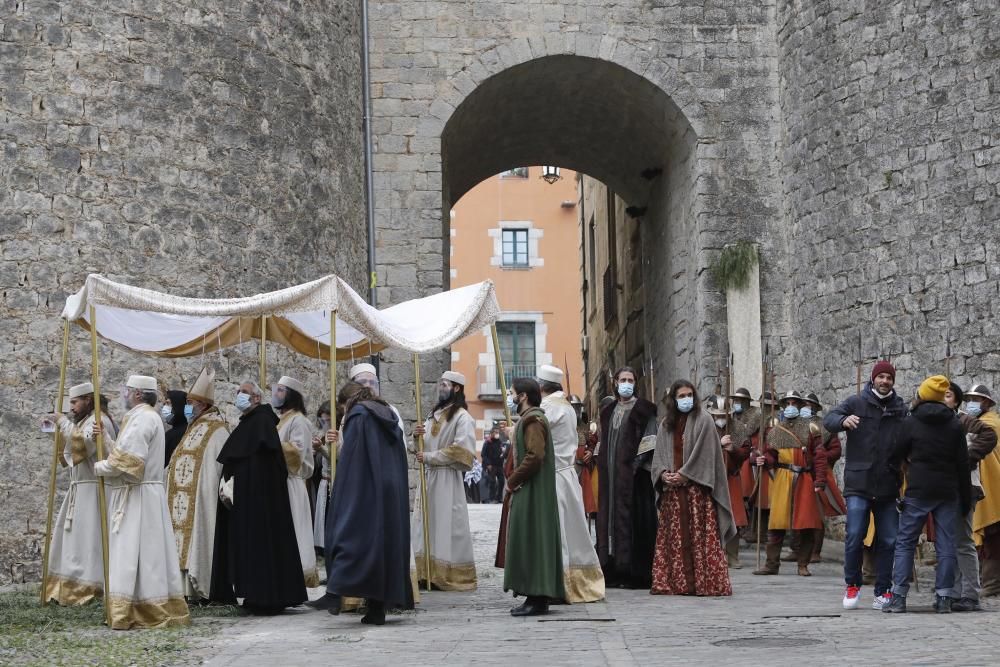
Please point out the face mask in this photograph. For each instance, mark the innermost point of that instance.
(242, 402)
(443, 395)
(325, 423)
(974, 408)
(685, 404)
(738, 408)
(276, 400)
(626, 389)
(721, 423)
(791, 412)
(806, 413)
(511, 404)
(189, 412)
(167, 411)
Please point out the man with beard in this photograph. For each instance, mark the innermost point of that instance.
(193, 486)
(449, 448)
(75, 574)
(256, 557)
(626, 516)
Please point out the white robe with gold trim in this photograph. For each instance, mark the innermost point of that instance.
(193, 498)
(449, 449)
(295, 432)
(76, 564)
(582, 575)
(145, 583)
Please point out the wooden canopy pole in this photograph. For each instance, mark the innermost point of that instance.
(263, 351)
(500, 374)
(425, 515)
(101, 499)
(56, 449)
(333, 399)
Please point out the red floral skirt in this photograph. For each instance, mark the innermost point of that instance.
(689, 559)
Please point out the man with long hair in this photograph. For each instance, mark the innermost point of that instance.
(695, 519)
(368, 539)
(626, 516)
(449, 449)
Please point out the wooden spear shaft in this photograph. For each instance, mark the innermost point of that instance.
(56, 448)
(102, 502)
(424, 513)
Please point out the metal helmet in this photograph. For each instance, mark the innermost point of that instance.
(716, 405)
(767, 398)
(742, 392)
(575, 400)
(789, 396)
(813, 399)
(980, 390)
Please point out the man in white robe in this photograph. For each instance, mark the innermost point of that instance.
(449, 449)
(76, 572)
(296, 432)
(145, 586)
(193, 486)
(582, 575)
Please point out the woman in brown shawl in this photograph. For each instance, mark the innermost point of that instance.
(694, 516)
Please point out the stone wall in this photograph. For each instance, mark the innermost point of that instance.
(892, 176)
(204, 148)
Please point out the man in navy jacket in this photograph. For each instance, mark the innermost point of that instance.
(872, 420)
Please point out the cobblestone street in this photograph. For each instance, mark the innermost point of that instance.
(775, 620)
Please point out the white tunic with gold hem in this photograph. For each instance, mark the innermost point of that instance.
(582, 574)
(295, 433)
(145, 584)
(76, 564)
(193, 498)
(449, 449)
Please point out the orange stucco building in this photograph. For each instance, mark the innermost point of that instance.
(523, 233)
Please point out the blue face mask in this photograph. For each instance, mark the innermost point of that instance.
(167, 411)
(189, 412)
(626, 389)
(738, 408)
(242, 402)
(511, 404)
(806, 413)
(973, 408)
(685, 404)
(277, 400)
(791, 412)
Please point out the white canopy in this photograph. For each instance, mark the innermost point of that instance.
(298, 317)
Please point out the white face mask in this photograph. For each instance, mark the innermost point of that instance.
(720, 422)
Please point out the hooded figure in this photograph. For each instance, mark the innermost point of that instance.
(176, 422)
(368, 534)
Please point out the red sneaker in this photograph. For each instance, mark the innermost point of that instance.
(852, 596)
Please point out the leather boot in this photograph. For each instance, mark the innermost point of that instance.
(794, 546)
(733, 553)
(773, 561)
(818, 536)
(990, 578)
(805, 551)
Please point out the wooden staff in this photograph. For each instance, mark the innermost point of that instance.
(263, 351)
(56, 450)
(102, 502)
(860, 360)
(760, 443)
(333, 397)
(424, 514)
(947, 361)
(500, 374)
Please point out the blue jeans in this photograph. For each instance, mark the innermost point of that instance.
(911, 522)
(859, 509)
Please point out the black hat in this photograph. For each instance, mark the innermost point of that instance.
(742, 392)
(958, 393)
(980, 390)
(767, 398)
(813, 399)
(789, 396)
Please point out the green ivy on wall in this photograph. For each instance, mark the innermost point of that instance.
(731, 269)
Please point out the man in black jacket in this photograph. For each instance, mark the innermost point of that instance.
(932, 443)
(492, 455)
(871, 420)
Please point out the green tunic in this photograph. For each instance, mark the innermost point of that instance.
(534, 551)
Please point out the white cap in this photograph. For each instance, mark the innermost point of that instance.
(81, 390)
(550, 373)
(361, 368)
(143, 382)
(204, 387)
(454, 377)
(292, 383)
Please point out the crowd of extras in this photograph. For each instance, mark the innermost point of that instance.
(637, 495)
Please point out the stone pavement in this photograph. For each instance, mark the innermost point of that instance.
(775, 620)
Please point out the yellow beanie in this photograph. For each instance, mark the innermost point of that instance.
(933, 388)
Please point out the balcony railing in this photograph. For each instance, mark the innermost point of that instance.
(487, 385)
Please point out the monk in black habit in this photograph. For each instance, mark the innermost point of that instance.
(368, 521)
(256, 556)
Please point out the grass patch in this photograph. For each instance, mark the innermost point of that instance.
(31, 634)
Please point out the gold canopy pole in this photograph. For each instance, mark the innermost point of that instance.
(263, 351)
(423, 477)
(500, 374)
(102, 502)
(56, 447)
(333, 398)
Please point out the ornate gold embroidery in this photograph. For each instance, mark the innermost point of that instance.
(293, 457)
(458, 454)
(163, 613)
(583, 584)
(448, 576)
(130, 464)
(436, 427)
(70, 592)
